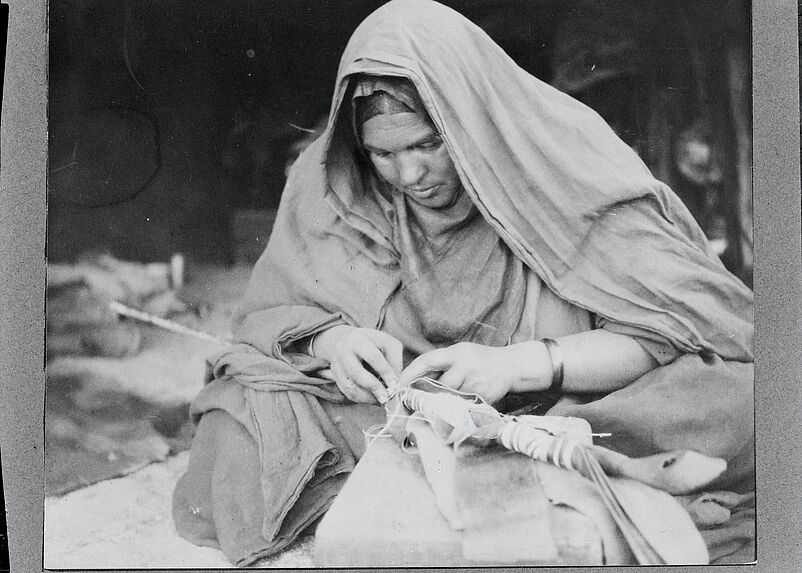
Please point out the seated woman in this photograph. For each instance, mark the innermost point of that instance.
(456, 213)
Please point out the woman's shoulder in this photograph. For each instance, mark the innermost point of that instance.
(305, 207)
(308, 173)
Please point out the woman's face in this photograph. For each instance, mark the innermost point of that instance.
(409, 154)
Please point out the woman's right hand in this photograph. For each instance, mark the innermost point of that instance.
(353, 352)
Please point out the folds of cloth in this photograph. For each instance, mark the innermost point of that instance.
(430, 505)
(515, 510)
(264, 466)
(268, 461)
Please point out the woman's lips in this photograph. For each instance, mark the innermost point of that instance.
(425, 193)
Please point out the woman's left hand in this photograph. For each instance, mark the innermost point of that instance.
(489, 371)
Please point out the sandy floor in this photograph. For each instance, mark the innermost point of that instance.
(125, 523)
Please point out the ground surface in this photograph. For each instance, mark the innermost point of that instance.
(126, 523)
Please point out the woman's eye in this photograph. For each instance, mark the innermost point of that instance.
(382, 154)
(430, 145)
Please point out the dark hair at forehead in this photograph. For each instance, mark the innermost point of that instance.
(377, 103)
(383, 95)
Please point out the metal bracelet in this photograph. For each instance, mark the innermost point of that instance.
(557, 364)
(311, 343)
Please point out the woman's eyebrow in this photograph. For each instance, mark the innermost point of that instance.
(373, 149)
(430, 138)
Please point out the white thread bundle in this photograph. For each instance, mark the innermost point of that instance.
(459, 416)
(538, 444)
(444, 412)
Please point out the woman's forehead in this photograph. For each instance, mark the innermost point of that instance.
(397, 131)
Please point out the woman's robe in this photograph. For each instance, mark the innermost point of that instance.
(564, 195)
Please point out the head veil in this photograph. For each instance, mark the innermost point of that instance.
(567, 196)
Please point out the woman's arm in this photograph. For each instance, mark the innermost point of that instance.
(594, 361)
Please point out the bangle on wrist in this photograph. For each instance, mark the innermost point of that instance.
(311, 350)
(557, 365)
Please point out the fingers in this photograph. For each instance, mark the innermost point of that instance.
(467, 367)
(348, 386)
(377, 360)
(362, 356)
(453, 375)
(434, 361)
(453, 378)
(393, 353)
(355, 370)
(384, 355)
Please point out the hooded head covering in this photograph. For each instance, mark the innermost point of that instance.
(567, 196)
(383, 95)
(548, 178)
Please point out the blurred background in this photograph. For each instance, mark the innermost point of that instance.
(171, 123)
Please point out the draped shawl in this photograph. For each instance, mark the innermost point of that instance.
(571, 201)
(568, 197)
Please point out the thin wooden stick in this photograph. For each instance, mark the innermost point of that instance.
(164, 323)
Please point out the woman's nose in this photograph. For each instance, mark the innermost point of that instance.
(410, 170)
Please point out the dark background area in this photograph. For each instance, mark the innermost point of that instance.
(167, 119)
